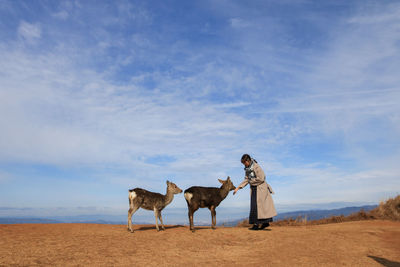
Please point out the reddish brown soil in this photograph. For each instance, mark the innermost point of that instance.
(365, 243)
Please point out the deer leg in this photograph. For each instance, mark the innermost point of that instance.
(190, 214)
(192, 209)
(213, 217)
(132, 209)
(156, 215)
(160, 218)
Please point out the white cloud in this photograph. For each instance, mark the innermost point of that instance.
(321, 183)
(239, 23)
(63, 15)
(391, 14)
(58, 114)
(29, 31)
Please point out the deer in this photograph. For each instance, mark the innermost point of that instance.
(141, 198)
(210, 197)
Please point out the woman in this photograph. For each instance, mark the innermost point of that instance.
(262, 207)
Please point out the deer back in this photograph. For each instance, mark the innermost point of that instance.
(148, 200)
(205, 196)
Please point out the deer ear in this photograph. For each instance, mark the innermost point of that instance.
(168, 182)
(221, 181)
(228, 178)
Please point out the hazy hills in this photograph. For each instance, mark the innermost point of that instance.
(312, 214)
(121, 219)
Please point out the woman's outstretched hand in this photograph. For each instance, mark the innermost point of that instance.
(236, 189)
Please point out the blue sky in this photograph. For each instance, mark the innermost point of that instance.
(97, 97)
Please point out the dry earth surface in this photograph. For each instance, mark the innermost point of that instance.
(362, 243)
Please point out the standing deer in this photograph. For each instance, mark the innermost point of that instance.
(210, 197)
(140, 198)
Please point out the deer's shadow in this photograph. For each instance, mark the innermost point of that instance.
(203, 228)
(153, 227)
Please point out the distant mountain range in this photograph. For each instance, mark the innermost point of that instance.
(312, 214)
(20, 220)
(11, 220)
(320, 214)
(114, 219)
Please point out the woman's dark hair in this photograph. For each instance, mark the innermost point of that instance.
(245, 157)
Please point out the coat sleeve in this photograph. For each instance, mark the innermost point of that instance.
(244, 182)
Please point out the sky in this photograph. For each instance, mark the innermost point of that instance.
(98, 97)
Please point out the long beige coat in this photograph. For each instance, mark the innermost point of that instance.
(265, 204)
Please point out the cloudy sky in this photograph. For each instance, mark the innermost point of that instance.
(97, 97)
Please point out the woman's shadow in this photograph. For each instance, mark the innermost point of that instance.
(385, 262)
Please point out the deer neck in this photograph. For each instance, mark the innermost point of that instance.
(169, 196)
(223, 191)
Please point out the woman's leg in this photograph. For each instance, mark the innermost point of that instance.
(253, 208)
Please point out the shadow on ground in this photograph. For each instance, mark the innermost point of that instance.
(385, 262)
(153, 227)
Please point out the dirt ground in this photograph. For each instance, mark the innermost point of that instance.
(365, 243)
